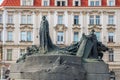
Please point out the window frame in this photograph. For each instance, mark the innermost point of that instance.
(61, 2)
(111, 19)
(9, 55)
(25, 37)
(94, 20)
(93, 3)
(60, 19)
(75, 36)
(76, 20)
(60, 37)
(9, 36)
(25, 19)
(109, 4)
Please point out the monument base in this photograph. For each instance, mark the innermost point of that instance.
(58, 67)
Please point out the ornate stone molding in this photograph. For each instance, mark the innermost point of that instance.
(84, 12)
(60, 27)
(95, 12)
(26, 42)
(44, 12)
(11, 12)
(111, 28)
(76, 13)
(60, 12)
(10, 27)
(52, 12)
(97, 28)
(37, 12)
(26, 12)
(26, 27)
(69, 12)
(9, 43)
(76, 27)
(1, 26)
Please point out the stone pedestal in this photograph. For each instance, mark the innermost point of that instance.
(96, 71)
(58, 67)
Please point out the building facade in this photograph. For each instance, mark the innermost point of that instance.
(68, 19)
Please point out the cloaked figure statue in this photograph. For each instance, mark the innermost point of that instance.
(45, 40)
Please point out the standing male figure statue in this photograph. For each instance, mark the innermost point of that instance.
(45, 40)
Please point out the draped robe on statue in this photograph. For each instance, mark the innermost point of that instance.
(88, 47)
(45, 40)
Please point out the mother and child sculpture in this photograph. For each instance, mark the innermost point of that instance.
(87, 47)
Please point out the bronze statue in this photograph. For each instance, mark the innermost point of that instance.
(45, 40)
(87, 47)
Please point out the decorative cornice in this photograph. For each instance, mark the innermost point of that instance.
(26, 27)
(76, 27)
(95, 12)
(60, 27)
(10, 27)
(97, 28)
(1, 26)
(111, 28)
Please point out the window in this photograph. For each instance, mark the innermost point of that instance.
(76, 3)
(110, 37)
(94, 19)
(9, 35)
(110, 19)
(29, 36)
(98, 36)
(60, 19)
(94, 2)
(26, 19)
(111, 55)
(29, 19)
(97, 20)
(10, 19)
(22, 51)
(61, 3)
(23, 36)
(0, 35)
(9, 54)
(58, 3)
(45, 3)
(76, 36)
(111, 2)
(27, 2)
(91, 20)
(26, 36)
(0, 18)
(76, 19)
(23, 19)
(60, 38)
